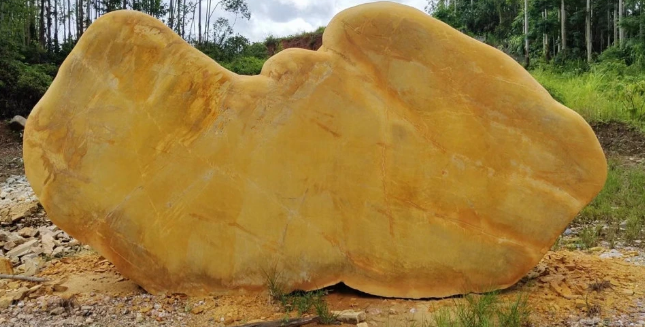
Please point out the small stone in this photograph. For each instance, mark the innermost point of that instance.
(611, 254)
(628, 292)
(28, 232)
(5, 266)
(5, 302)
(139, 317)
(9, 245)
(362, 324)
(349, 316)
(21, 249)
(63, 288)
(57, 311)
(48, 243)
(58, 250)
(89, 320)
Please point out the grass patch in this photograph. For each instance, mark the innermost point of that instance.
(486, 310)
(618, 210)
(299, 302)
(602, 94)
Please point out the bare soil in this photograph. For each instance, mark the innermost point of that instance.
(10, 152)
(620, 139)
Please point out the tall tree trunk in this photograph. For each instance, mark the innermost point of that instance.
(588, 30)
(69, 20)
(199, 24)
(49, 26)
(125, 4)
(32, 21)
(207, 28)
(640, 20)
(563, 25)
(621, 30)
(56, 25)
(615, 24)
(608, 28)
(88, 15)
(79, 18)
(41, 31)
(172, 15)
(64, 22)
(526, 33)
(545, 38)
(182, 8)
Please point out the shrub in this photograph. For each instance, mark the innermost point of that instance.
(245, 65)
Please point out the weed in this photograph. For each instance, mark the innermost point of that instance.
(589, 236)
(325, 316)
(298, 301)
(599, 286)
(485, 310)
(592, 309)
(619, 206)
(274, 284)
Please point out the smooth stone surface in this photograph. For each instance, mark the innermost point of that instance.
(402, 158)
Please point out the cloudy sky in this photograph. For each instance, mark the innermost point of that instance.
(285, 17)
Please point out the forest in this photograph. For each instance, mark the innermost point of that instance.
(588, 53)
(37, 35)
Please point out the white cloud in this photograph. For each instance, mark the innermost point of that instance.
(286, 17)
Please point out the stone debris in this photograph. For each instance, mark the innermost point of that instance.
(349, 316)
(611, 254)
(27, 237)
(5, 266)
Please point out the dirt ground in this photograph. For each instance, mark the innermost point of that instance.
(597, 287)
(10, 152)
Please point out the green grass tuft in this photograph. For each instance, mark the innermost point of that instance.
(486, 310)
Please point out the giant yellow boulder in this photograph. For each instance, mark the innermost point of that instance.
(402, 158)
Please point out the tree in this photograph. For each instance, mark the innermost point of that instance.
(563, 27)
(621, 30)
(526, 33)
(588, 29)
(41, 35)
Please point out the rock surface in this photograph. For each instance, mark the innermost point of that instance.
(17, 123)
(402, 158)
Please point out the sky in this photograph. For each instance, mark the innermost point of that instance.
(285, 17)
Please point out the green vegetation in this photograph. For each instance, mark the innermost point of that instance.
(299, 302)
(620, 206)
(486, 310)
(605, 91)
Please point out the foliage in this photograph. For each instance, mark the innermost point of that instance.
(500, 23)
(609, 90)
(298, 301)
(245, 65)
(36, 36)
(486, 310)
(619, 205)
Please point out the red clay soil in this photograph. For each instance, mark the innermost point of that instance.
(309, 41)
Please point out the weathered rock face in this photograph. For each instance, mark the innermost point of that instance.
(402, 158)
